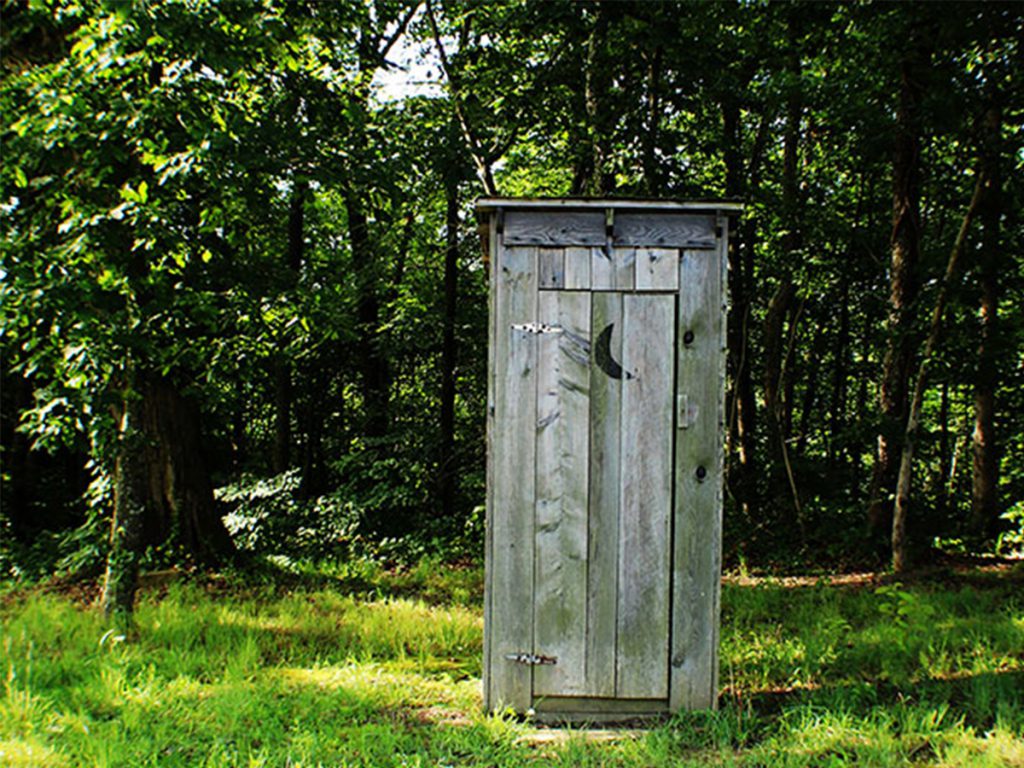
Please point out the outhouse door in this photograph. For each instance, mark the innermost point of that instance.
(586, 407)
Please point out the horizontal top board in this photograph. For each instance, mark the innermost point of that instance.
(487, 204)
(589, 222)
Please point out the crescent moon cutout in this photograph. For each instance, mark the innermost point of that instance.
(603, 355)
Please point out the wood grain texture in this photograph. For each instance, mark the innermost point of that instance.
(602, 270)
(657, 269)
(551, 262)
(646, 496)
(664, 230)
(563, 409)
(493, 246)
(624, 267)
(511, 575)
(554, 228)
(577, 269)
(697, 545)
(603, 549)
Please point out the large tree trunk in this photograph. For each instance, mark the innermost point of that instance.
(182, 507)
(905, 254)
(985, 479)
(162, 490)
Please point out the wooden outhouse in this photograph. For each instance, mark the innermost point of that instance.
(604, 480)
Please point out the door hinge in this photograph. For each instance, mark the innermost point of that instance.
(530, 659)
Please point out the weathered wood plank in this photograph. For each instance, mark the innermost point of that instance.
(664, 230)
(646, 496)
(577, 269)
(698, 478)
(603, 541)
(602, 271)
(493, 246)
(554, 228)
(512, 520)
(624, 266)
(657, 269)
(563, 410)
(552, 268)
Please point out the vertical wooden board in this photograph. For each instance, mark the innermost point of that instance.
(603, 525)
(697, 545)
(563, 384)
(493, 245)
(602, 272)
(511, 520)
(624, 266)
(577, 269)
(646, 497)
(551, 262)
(657, 269)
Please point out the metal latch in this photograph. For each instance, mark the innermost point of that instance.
(530, 659)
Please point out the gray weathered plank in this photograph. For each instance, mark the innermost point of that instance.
(603, 549)
(602, 271)
(554, 228)
(577, 269)
(512, 520)
(646, 496)
(551, 262)
(563, 410)
(697, 543)
(493, 246)
(657, 269)
(624, 266)
(664, 230)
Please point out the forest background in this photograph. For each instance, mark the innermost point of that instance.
(243, 296)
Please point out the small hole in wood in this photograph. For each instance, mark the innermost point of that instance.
(688, 338)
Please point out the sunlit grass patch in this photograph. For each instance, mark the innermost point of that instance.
(242, 674)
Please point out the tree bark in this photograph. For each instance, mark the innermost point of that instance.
(181, 504)
(985, 453)
(905, 254)
(131, 505)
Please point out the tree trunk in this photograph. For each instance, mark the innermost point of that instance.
(599, 181)
(281, 455)
(373, 365)
(840, 373)
(900, 544)
(447, 467)
(905, 254)
(131, 507)
(181, 503)
(985, 454)
(742, 410)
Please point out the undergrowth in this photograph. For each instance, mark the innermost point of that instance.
(358, 665)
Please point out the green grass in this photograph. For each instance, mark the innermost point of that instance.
(372, 668)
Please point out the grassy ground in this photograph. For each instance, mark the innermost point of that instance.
(383, 669)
